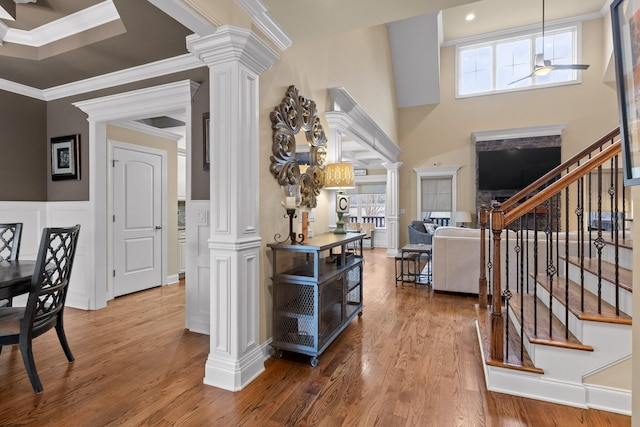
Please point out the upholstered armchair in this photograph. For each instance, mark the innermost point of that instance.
(418, 234)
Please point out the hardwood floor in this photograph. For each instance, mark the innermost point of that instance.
(412, 359)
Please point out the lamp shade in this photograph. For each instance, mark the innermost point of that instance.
(463, 217)
(339, 175)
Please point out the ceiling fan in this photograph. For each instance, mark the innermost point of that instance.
(542, 67)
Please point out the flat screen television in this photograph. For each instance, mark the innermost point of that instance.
(514, 169)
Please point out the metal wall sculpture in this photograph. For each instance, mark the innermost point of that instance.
(294, 114)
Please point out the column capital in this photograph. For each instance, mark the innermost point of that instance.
(392, 166)
(233, 44)
(338, 120)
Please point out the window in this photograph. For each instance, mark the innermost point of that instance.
(367, 204)
(503, 65)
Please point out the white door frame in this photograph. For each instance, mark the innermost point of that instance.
(135, 104)
(111, 144)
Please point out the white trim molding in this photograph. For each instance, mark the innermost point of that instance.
(235, 57)
(100, 111)
(264, 21)
(364, 128)
(525, 132)
(67, 26)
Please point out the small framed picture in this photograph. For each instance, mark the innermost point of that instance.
(625, 15)
(65, 157)
(205, 133)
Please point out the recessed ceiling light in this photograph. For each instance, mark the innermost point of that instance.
(470, 17)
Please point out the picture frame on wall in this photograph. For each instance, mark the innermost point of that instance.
(206, 139)
(65, 157)
(625, 20)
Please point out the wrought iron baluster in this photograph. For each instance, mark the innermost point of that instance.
(535, 270)
(566, 266)
(599, 241)
(550, 257)
(616, 242)
(580, 214)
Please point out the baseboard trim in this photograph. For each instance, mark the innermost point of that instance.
(608, 399)
(580, 395)
(234, 375)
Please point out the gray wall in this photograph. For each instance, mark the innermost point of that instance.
(23, 148)
(199, 176)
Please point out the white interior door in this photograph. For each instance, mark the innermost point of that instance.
(137, 220)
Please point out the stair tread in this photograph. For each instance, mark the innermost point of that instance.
(607, 311)
(625, 279)
(623, 243)
(513, 361)
(541, 334)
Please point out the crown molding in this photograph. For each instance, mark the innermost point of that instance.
(364, 128)
(20, 89)
(185, 15)
(147, 71)
(264, 21)
(173, 96)
(525, 132)
(131, 75)
(83, 20)
(233, 44)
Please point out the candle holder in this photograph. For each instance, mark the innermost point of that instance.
(291, 201)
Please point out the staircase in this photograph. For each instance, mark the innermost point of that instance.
(555, 288)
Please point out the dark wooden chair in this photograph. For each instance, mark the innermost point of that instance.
(47, 296)
(10, 235)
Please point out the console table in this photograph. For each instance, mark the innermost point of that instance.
(317, 291)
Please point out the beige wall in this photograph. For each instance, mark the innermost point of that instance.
(360, 62)
(442, 133)
(171, 147)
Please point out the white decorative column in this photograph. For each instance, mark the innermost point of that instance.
(338, 122)
(235, 57)
(392, 212)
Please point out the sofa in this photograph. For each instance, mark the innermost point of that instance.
(456, 257)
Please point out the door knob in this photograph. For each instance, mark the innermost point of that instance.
(158, 227)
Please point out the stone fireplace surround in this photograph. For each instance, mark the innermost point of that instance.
(504, 139)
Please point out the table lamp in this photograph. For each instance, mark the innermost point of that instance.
(339, 176)
(463, 217)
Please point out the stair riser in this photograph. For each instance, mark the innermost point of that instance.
(559, 310)
(625, 255)
(525, 340)
(608, 289)
(611, 343)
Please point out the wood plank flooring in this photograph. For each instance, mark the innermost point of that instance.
(411, 360)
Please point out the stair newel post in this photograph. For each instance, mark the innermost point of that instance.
(483, 218)
(497, 320)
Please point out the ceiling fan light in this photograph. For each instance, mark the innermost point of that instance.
(542, 71)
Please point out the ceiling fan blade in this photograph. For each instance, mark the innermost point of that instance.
(523, 78)
(570, 66)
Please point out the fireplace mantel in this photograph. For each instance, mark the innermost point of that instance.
(525, 132)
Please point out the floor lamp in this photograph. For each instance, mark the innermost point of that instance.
(339, 176)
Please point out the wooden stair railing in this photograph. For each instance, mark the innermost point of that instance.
(542, 198)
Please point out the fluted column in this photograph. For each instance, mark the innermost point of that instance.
(392, 212)
(236, 58)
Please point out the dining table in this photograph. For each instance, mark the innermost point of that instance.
(15, 277)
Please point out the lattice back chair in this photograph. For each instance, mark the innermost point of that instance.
(47, 296)
(10, 235)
